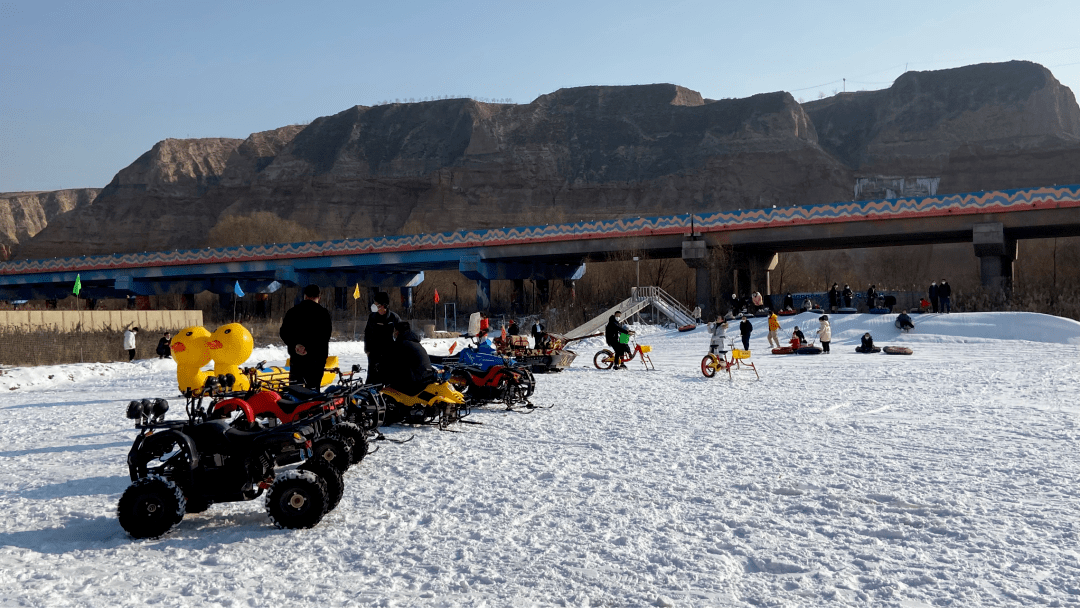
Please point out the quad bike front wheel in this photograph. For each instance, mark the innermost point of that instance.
(355, 438)
(298, 499)
(604, 359)
(335, 483)
(333, 449)
(150, 507)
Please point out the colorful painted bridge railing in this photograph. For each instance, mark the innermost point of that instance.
(1058, 197)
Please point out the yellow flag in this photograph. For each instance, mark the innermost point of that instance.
(356, 292)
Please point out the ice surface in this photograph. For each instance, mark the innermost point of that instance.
(948, 477)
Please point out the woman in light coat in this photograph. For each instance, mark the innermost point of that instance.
(824, 333)
(718, 337)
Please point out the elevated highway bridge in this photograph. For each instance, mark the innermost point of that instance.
(992, 221)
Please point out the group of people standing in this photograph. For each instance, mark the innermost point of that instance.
(718, 333)
(940, 296)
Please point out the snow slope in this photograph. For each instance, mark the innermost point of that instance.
(944, 477)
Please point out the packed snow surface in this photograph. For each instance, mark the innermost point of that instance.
(948, 477)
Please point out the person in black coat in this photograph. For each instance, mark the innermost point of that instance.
(834, 297)
(944, 293)
(379, 335)
(513, 329)
(933, 293)
(789, 302)
(615, 327)
(306, 332)
(847, 296)
(871, 297)
(745, 327)
(163, 349)
(407, 367)
(798, 334)
(538, 332)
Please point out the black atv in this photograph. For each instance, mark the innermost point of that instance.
(184, 466)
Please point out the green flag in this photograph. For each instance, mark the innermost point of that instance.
(78, 285)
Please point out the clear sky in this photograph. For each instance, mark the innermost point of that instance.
(88, 86)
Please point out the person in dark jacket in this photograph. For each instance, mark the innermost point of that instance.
(615, 327)
(933, 293)
(871, 297)
(538, 332)
(867, 343)
(847, 296)
(745, 327)
(379, 336)
(735, 304)
(163, 350)
(789, 302)
(407, 367)
(834, 297)
(513, 329)
(797, 333)
(903, 322)
(306, 332)
(944, 292)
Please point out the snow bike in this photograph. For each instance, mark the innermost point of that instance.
(184, 466)
(605, 359)
(735, 358)
(486, 377)
(438, 404)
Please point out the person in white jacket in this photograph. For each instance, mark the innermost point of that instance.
(718, 336)
(129, 341)
(824, 333)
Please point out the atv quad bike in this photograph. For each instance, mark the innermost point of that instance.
(184, 466)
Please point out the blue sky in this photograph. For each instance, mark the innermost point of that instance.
(87, 87)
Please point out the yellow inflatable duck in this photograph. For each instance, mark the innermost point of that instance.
(230, 345)
(190, 352)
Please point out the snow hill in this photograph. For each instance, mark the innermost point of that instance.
(944, 477)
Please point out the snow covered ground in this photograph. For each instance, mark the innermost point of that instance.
(948, 477)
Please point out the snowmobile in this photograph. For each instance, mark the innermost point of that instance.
(485, 377)
(184, 466)
(439, 404)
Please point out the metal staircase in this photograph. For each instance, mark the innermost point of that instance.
(640, 298)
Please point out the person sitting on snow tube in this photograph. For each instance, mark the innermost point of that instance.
(407, 367)
(484, 343)
(867, 343)
(903, 322)
(797, 333)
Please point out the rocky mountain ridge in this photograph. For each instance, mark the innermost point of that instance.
(585, 153)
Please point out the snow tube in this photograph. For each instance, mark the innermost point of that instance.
(897, 350)
(847, 310)
(817, 311)
(809, 350)
(784, 350)
(879, 311)
(689, 327)
(787, 313)
(897, 325)
(875, 349)
(761, 313)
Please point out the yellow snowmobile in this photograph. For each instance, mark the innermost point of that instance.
(438, 404)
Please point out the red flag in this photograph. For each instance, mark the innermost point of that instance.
(436, 296)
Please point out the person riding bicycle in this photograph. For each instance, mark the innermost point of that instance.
(612, 333)
(407, 366)
(718, 339)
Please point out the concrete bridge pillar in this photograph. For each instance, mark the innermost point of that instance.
(543, 291)
(696, 255)
(483, 294)
(752, 271)
(996, 255)
(517, 295)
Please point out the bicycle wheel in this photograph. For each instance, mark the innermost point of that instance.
(604, 359)
(709, 364)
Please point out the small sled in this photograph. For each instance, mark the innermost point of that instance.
(783, 350)
(847, 310)
(879, 311)
(688, 327)
(897, 350)
(787, 313)
(809, 350)
(875, 349)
